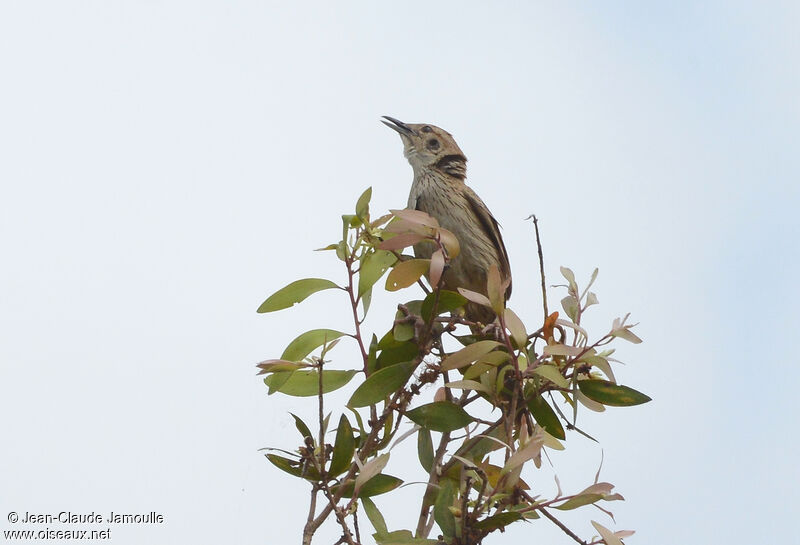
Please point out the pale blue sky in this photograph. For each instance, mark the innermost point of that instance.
(166, 165)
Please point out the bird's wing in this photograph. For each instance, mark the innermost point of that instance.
(492, 230)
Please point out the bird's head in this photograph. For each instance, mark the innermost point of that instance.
(429, 147)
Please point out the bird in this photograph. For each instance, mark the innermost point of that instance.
(439, 190)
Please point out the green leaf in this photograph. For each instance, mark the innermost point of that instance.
(403, 537)
(375, 516)
(425, 449)
(403, 331)
(341, 249)
(492, 441)
(546, 417)
(373, 266)
(498, 521)
(381, 383)
(343, 449)
(495, 359)
(325, 422)
(440, 416)
(276, 380)
(294, 467)
(406, 273)
(294, 293)
(362, 205)
(307, 342)
(301, 427)
(372, 355)
(468, 354)
(441, 508)
(448, 302)
(608, 393)
(350, 220)
(398, 352)
(306, 383)
(360, 422)
(379, 484)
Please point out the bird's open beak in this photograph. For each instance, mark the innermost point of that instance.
(397, 125)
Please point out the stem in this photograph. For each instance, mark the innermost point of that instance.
(541, 264)
(512, 413)
(354, 306)
(321, 417)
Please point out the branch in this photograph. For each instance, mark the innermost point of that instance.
(311, 524)
(561, 525)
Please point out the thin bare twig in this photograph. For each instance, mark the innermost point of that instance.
(541, 263)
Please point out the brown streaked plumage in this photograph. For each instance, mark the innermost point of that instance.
(438, 189)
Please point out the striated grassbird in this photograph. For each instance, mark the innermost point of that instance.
(438, 189)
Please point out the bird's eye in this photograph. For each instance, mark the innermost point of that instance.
(432, 144)
(426, 129)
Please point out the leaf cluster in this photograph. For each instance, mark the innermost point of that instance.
(530, 384)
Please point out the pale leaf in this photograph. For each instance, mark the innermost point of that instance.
(475, 297)
(399, 242)
(570, 276)
(437, 266)
(371, 468)
(552, 374)
(450, 243)
(607, 535)
(468, 354)
(468, 385)
(416, 216)
(401, 226)
(590, 404)
(414, 429)
(598, 488)
(529, 451)
(515, 327)
(550, 441)
(562, 350)
(572, 325)
(495, 289)
(627, 334)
